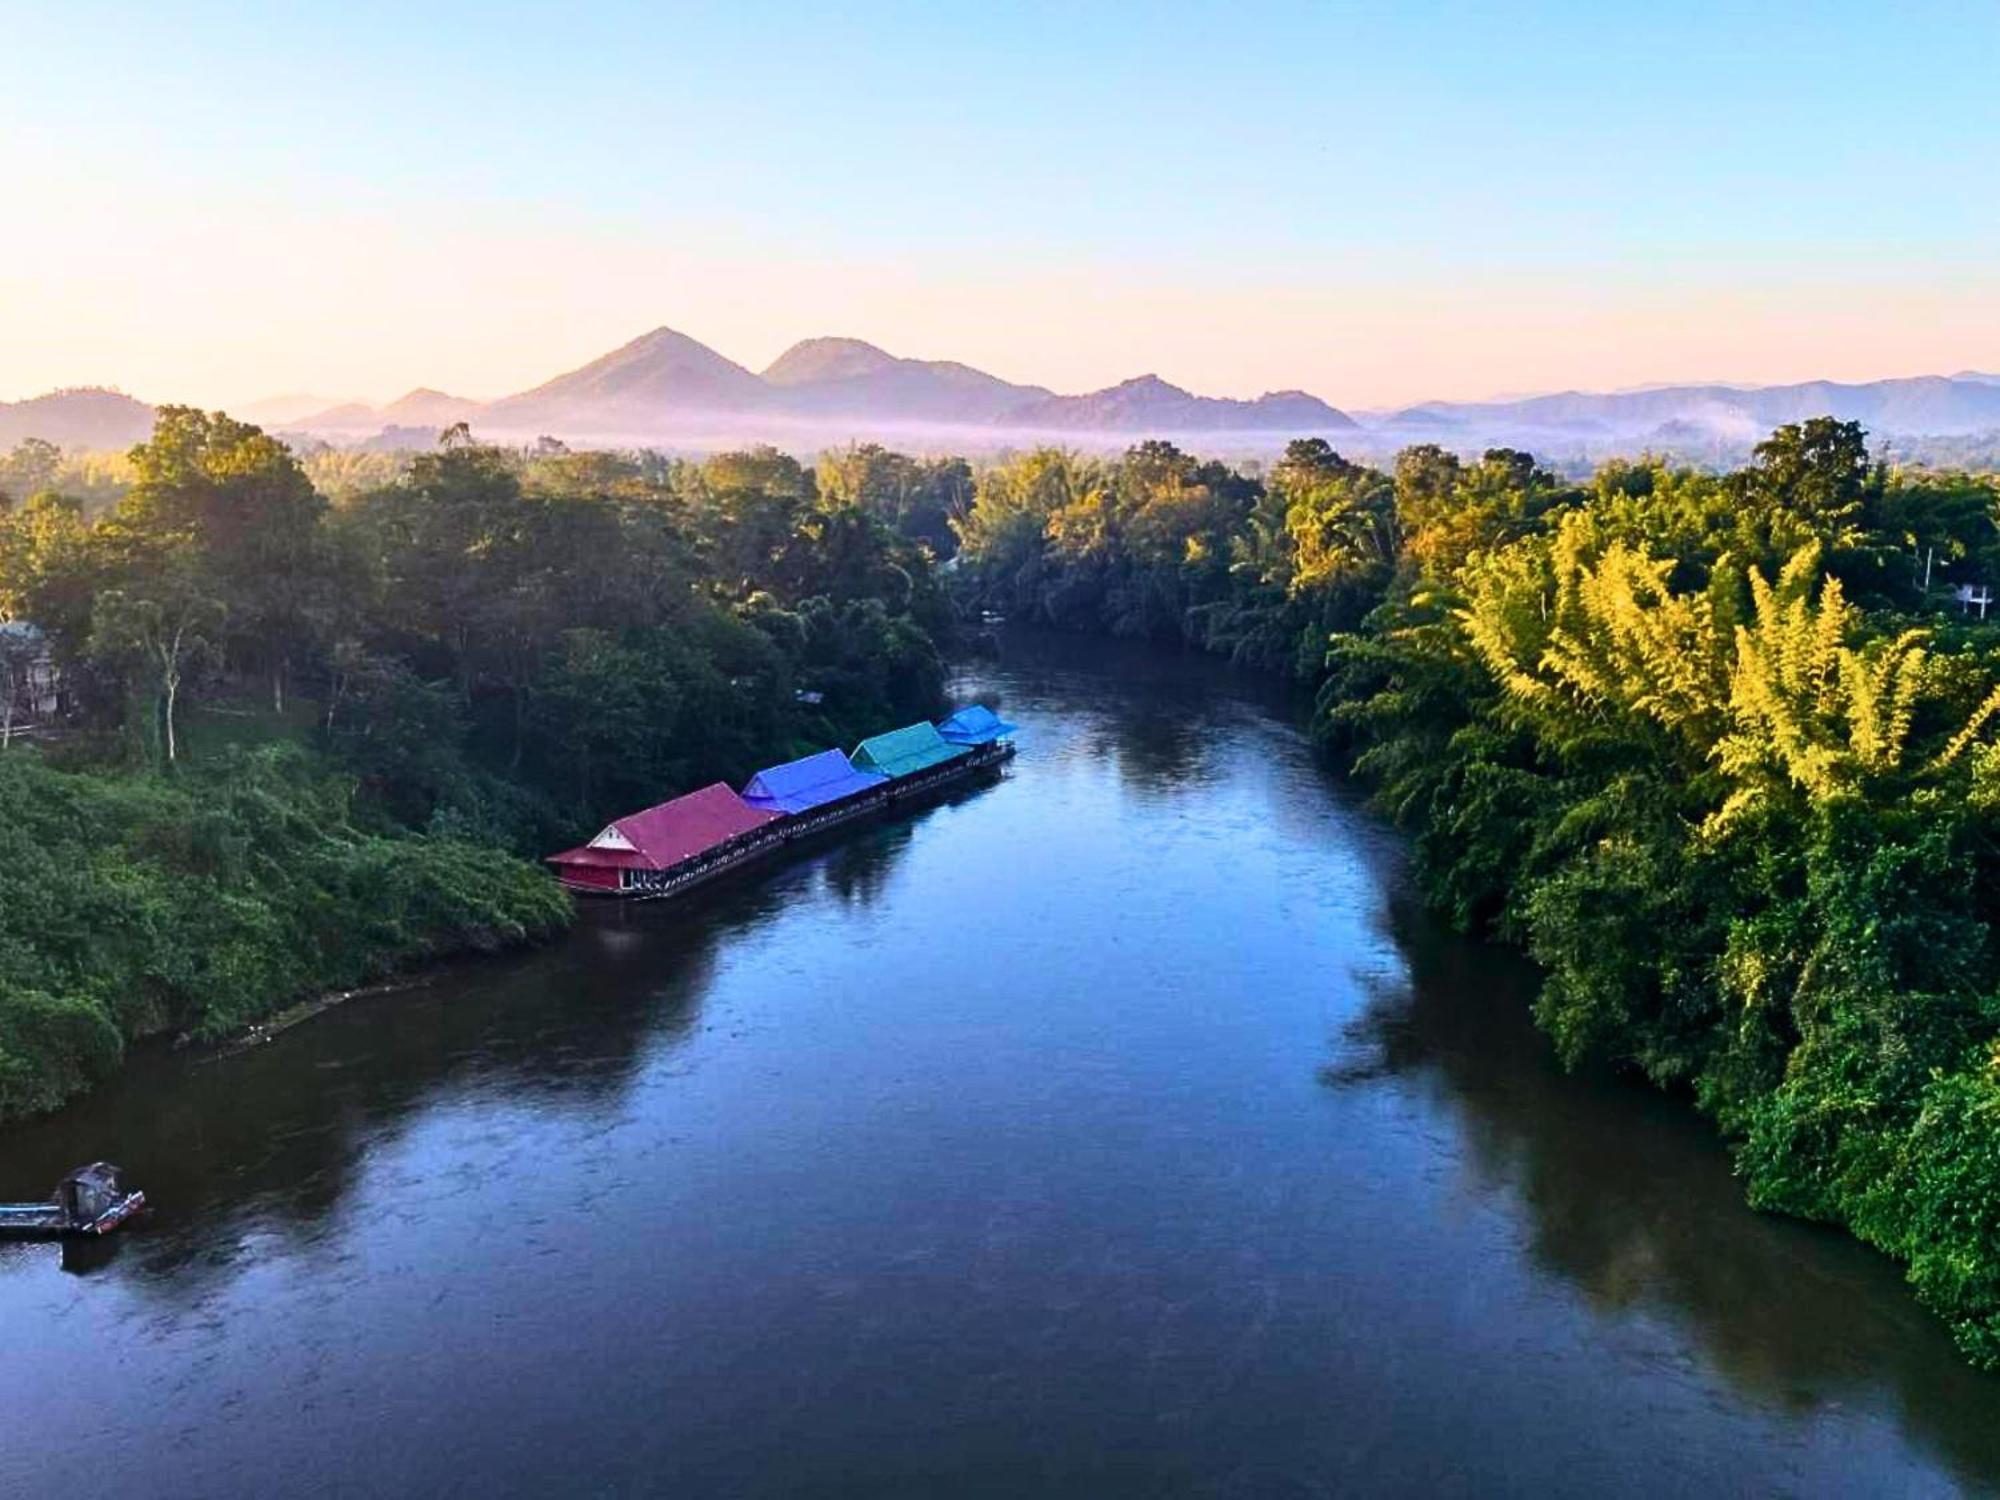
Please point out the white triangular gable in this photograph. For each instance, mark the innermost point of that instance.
(611, 838)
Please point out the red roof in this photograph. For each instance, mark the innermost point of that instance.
(663, 836)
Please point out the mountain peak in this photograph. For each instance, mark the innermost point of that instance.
(656, 375)
(812, 360)
(428, 407)
(1150, 385)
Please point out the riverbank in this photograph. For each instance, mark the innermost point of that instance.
(1705, 745)
(136, 905)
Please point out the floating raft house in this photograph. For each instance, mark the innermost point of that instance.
(975, 725)
(681, 839)
(799, 786)
(664, 848)
(905, 752)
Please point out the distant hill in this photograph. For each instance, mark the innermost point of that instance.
(1150, 405)
(425, 407)
(816, 361)
(284, 411)
(1928, 405)
(88, 417)
(421, 410)
(667, 388)
(846, 377)
(349, 416)
(659, 380)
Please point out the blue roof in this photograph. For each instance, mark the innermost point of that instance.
(975, 725)
(800, 785)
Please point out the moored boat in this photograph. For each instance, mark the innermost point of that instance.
(90, 1201)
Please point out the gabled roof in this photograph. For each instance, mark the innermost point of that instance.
(814, 781)
(975, 724)
(665, 835)
(903, 752)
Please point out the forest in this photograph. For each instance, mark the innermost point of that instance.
(1720, 750)
(305, 739)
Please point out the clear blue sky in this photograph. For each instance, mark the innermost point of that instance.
(1382, 203)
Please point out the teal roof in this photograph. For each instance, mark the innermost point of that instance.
(904, 752)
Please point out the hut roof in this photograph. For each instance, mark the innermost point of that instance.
(904, 752)
(814, 781)
(663, 836)
(975, 724)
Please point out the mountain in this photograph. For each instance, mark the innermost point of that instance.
(829, 377)
(667, 388)
(816, 361)
(1927, 405)
(350, 416)
(425, 407)
(1150, 405)
(87, 417)
(284, 411)
(653, 384)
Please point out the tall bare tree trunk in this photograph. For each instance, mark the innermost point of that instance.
(171, 686)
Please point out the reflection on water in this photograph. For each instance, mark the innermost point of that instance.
(1627, 1198)
(1121, 1128)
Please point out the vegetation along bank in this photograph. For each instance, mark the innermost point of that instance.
(1717, 749)
(266, 743)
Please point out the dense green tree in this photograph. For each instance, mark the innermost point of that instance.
(29, 469)
(159, 640)
(228, 500)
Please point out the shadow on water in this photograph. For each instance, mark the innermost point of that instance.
(271, 1141)
(1627, 1196)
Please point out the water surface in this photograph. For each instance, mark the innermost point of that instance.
(1122, 1128)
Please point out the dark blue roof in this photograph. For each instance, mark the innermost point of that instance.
(800, 785)
(975, 725)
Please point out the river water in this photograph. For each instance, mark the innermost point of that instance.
(1120, 1129)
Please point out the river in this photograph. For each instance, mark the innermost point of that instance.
(1123, 1128)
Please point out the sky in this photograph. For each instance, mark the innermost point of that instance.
(1380, 203)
